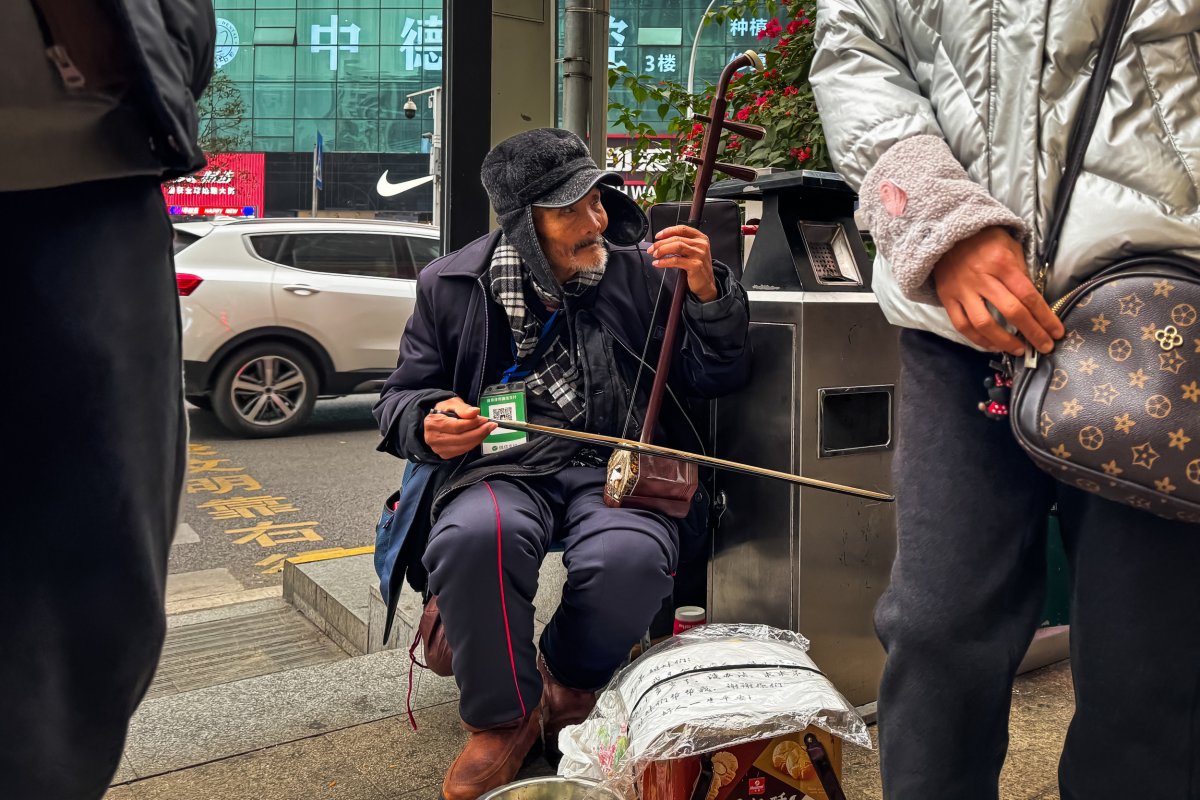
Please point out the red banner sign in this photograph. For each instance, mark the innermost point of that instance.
(231, 185)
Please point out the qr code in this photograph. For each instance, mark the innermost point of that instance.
(504, 413)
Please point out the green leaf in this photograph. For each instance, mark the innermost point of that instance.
(663, 110)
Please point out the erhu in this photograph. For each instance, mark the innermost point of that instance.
(657, 483)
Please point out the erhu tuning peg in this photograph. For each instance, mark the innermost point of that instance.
(732, 170)
(740, 128)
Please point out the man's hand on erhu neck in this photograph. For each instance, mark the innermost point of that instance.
(683, 247)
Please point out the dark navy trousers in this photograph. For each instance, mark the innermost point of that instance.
(483, 558)
(966, 595)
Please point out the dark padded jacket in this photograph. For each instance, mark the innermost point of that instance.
(458, 340)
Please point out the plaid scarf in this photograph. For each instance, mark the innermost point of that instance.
(557, 373)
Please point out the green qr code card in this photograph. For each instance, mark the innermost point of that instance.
(503, 406)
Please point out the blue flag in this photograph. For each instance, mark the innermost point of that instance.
(318, 165)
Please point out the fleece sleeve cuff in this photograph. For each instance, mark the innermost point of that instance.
(918, 202)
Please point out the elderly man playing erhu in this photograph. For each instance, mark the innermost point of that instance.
(547, 321)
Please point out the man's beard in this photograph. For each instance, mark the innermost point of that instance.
(589, 256)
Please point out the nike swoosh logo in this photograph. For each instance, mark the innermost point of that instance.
(387, 189)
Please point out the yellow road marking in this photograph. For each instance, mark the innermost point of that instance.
(333, 552)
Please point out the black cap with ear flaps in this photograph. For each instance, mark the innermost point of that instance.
(553, 168)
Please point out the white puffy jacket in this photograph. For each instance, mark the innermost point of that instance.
(951, 115)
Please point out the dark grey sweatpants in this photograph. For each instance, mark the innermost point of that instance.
(96, 432)
(967, 590)
(483, 559)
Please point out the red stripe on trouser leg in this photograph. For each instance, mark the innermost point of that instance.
(504, 606)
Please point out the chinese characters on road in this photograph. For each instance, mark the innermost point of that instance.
(230, 494)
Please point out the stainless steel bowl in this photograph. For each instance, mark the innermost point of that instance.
(551, 789)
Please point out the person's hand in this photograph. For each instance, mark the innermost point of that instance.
(990, 267)
(450, 437)
(686, 248)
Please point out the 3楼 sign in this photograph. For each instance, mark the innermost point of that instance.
(231, 185)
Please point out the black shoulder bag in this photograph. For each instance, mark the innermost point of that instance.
(1114, 410)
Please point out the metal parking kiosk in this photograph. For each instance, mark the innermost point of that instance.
(822, 405)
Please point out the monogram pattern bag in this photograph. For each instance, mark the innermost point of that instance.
(1114, 410)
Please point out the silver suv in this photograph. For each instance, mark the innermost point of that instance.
(277, 313)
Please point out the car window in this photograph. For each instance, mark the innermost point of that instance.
(414, 252)
(268, 247)
(424, 250)
(183, 240)
(367, 254)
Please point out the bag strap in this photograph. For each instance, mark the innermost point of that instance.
(704, 779)
(820, 761)
(1085, 124)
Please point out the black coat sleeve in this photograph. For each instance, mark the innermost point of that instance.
(715, 351)
(419, 382)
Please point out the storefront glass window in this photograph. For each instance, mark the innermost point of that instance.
(345, 67)
(275, 101)
(315, 100)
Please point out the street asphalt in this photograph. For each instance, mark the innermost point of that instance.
(327, 473)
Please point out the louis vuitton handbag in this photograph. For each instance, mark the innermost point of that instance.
(1115, 409)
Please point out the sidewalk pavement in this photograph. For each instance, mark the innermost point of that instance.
(253, 701)
(384, 759)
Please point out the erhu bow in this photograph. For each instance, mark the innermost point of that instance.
(646, 475)
(658, 451)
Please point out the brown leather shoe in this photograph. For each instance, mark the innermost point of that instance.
(561, 706)
(491, 758)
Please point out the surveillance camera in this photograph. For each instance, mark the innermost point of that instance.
(410, 109)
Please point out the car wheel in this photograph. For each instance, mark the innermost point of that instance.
(200, 401)
(265, 390)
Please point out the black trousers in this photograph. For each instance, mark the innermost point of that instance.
(967, 589)
(96, 437)
(483, 559)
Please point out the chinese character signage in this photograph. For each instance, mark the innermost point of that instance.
(332, 38)
(422, 46)
(616, 43)
(231, 185)
(665, 40)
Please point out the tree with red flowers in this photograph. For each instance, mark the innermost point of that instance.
(779, 98)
